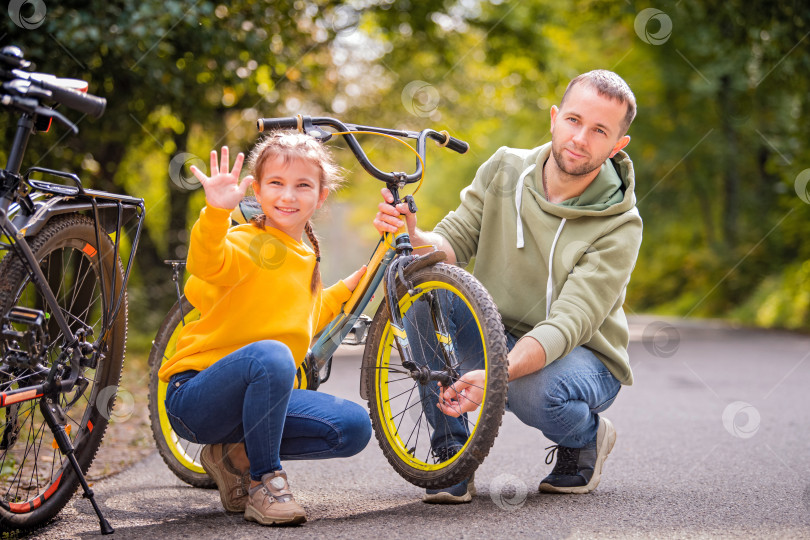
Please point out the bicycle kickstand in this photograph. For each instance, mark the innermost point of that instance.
(50, 410)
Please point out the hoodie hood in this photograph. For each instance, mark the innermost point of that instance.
(612, 192)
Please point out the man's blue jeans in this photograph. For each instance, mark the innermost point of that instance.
(248, 396)
(563, 400)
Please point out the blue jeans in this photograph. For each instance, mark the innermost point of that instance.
(248, 396)
(563, 400)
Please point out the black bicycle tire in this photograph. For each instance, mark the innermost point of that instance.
(490, 421)
(61, 229)
(156, 358)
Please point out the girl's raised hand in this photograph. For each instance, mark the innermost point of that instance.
(223, 189)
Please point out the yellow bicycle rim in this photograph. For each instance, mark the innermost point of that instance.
(172, 440)
(381, 381)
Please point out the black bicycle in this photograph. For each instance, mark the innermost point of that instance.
(63, 304)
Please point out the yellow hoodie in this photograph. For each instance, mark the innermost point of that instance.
(249, 285)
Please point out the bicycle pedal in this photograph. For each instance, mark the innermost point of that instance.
(357, 335)
(24, 315)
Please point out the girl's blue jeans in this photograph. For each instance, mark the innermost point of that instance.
(563, 400)
(248, 396)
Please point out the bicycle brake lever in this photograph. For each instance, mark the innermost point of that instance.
(44, 111)
(411, 203)
(315, 132)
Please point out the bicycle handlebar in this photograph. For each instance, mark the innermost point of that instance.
(78, 101)
(308, 125)
(43, 86)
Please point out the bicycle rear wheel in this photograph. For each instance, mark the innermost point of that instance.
(36, 480)
(426, 447)
(180, 455)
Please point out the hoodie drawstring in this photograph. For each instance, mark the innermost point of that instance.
(518, 199)
(550, 284)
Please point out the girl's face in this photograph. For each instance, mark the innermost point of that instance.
(289, 194)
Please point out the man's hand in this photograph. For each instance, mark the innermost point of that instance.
(463, 396)
(388, 220)
(223, 189)
(388, 217)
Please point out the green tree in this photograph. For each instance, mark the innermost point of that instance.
(169, 70)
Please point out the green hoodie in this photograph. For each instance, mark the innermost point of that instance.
(592, 242)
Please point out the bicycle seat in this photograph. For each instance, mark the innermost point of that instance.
(248, 207)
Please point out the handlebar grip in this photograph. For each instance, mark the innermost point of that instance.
(78, 101)
(458, 145)
(269, 124)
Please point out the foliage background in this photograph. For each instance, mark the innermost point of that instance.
(718, 143)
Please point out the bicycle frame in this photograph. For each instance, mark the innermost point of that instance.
(333, 335)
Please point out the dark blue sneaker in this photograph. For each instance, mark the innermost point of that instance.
(460, 493)
(578, 470)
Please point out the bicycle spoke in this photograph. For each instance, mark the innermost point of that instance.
(396, 396)
(406, 408)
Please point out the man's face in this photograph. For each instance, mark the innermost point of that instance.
(586, 131)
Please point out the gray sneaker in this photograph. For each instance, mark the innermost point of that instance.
(578, 470)
(463, 492)
(272, 502)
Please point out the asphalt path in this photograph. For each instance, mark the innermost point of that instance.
(712, 442)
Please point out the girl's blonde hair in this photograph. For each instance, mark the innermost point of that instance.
(291, 146)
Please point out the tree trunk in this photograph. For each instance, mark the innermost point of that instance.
(704, 198)
(731, 177)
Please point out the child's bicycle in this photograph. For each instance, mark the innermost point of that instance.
(400, 386)
(63, 305)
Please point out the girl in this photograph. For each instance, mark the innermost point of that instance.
(258, 290)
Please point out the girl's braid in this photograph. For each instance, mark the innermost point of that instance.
(316, 272)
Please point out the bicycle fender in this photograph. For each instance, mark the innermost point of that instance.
(423, 261)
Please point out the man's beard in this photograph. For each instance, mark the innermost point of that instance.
(582, 169)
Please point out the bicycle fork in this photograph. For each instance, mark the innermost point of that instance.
(53, 414)
(422, 374)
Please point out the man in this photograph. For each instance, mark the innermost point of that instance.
(556, 234)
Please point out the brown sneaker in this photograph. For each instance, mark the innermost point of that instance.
(272, 502)
(233, 484)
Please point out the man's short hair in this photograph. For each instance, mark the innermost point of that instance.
(609, 85)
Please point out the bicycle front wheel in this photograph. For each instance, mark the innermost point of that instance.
(452, 325)
(180, 455)
(36, 480)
